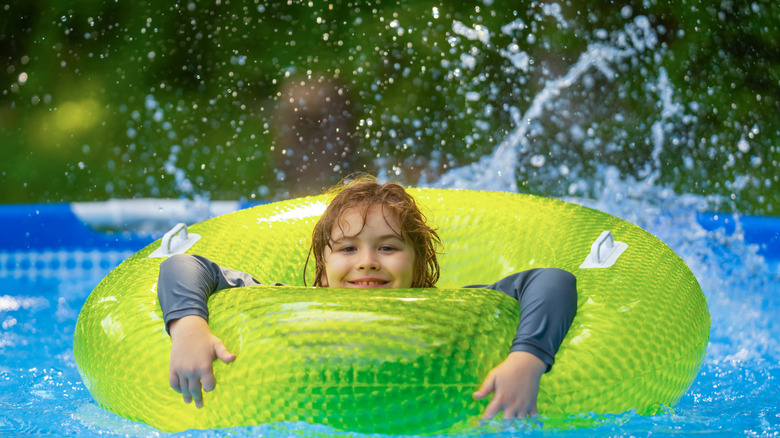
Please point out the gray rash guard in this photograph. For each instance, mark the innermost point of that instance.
(547, 297)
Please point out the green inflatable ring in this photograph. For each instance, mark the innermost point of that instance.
(401, 361)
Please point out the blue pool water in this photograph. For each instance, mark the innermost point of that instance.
(44, 282)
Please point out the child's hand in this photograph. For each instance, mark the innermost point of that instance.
(194, 349)
(515, 382)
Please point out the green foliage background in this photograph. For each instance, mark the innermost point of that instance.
(120, 99)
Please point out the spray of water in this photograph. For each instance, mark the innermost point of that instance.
(498, 171)
(735, 279)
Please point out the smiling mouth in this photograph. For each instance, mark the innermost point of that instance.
(372, 283)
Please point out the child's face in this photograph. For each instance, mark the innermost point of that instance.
(372, 257)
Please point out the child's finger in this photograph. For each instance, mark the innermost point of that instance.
(512, 413)
(173, 380)
(195, 392)
(223, 354)
(493, 408)
(488, 386)
(520, 412)
(185, 389)
(208, 381)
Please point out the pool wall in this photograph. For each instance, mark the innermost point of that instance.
(41, 239)
(60, 239)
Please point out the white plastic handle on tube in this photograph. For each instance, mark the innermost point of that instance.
(176, 241)
(604, 252)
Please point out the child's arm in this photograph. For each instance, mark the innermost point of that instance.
(516, 385)
(193, 349)
(183, 289)
(548, 303)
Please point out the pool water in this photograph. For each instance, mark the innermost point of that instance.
(736, 392)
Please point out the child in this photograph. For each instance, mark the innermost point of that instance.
(372, 236)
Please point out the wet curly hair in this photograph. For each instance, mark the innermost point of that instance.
(363, 191)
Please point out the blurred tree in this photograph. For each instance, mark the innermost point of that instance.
(128, 99)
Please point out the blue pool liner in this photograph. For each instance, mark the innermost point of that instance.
(40, 227)
(36, 227)
(763, 231)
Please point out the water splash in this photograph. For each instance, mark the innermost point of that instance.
(739, 284)
(498, 171)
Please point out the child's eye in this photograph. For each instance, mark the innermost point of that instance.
(386, 248)
(347, 249)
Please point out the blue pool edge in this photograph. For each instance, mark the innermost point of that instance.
(120, 225)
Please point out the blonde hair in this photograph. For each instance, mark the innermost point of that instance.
(364, 191)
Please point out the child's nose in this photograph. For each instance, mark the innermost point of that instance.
(368, 261)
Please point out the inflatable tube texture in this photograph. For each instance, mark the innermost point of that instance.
(406, 360)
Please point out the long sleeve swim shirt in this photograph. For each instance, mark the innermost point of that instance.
(547, 298)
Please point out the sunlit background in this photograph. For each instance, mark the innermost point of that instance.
(265, 100)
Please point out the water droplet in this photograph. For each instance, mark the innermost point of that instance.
(472, 96)
(743, 145)
(150, 102)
